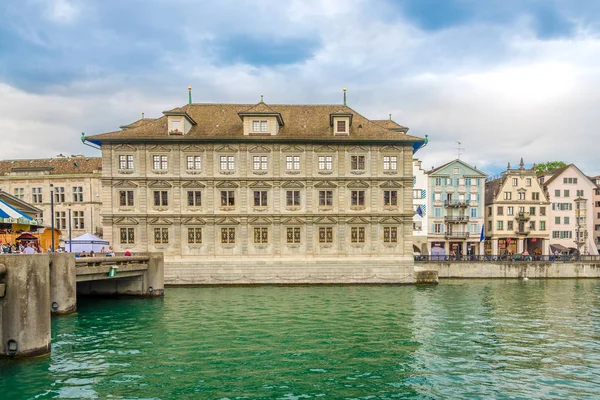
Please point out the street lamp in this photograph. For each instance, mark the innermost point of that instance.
(52, 213)
(70, 239)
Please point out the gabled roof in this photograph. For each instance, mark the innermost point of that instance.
(459, 161)
(262, 109)
(492, 188)
(74, 165)
(555, 173)
(222, 121)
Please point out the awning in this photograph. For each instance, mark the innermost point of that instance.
(559, 247)
(7, 211)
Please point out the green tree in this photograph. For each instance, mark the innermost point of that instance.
(549, 165)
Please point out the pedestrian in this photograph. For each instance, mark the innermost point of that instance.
(28, 250)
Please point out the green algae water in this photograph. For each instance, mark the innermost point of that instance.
(461, 339)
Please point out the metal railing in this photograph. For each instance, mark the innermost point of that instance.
(461, 218)
(505, 258)
(456, 235)
(456, 203)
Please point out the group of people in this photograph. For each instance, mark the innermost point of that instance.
(103, 252)
(20, 248)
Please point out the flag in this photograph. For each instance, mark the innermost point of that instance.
(482, 237)
(419, 211)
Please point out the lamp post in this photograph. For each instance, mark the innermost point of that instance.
(52, 213)
(70, 239)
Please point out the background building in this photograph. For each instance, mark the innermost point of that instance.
(456, 208)
(517, 213)
(76, 181)
(420, 218)
(285, 193)
(596, 180)
(571, 194)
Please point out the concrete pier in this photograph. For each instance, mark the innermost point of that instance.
(25, 307)
(34, 286)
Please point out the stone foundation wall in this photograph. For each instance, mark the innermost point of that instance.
(291, 272)
(515, 270)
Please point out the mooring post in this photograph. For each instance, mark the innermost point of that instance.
(25, 307)
(154, 281)
(63, 283)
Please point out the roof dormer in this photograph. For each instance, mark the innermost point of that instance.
(340, 122)
(261, 120)
(179, 122)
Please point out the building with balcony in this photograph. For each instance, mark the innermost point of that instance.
(420, 200)
(456, 208)
(73, 182)
(571, 217)
(258, 193)
(517, 213)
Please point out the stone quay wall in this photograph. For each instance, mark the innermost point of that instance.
(534, 270)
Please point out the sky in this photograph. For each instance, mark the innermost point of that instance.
(504, 78)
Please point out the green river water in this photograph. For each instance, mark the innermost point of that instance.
(475, 339)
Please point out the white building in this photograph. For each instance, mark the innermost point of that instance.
(419, 196)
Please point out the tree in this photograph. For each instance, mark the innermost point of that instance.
(549, 165)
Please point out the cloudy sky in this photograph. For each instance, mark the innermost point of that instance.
(506, 78)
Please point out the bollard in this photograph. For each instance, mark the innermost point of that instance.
(63, 291)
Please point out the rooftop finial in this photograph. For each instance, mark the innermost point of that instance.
(508, 167)
(344, 96)
(142, 115)
(390, 116)
(262, 98)
(189, 95)
(521, 164)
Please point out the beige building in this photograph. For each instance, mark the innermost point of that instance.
(517, 212)
(596, 211)
(76, 181)
(235, 193)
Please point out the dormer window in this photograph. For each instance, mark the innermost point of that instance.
(176, 126)
(341, 122)
(260, 126)
(341, 127)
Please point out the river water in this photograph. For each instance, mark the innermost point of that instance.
(461, 339)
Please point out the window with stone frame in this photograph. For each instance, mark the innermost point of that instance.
(125, 161)
(261, 235)
(127, 235)
(326, 198)
(227, 235)
(521, 195)
(542, 211)
(292, 198)
(357, 234)
(260, 198)
(194, 198)
(161, 235)
(194, 235)
(78, 220)
(259, 163)
(194, 163)
(390, 198)
(293, 235)
(36, 195)
(161, 198)
(60, 219)
(292, 163)
(126, 198)
(59, 194)
(390, 234)
(78, 194)
(341, 127)
(325, 163)
(325, 234)
(510, 225)
(357, 198)
(159, 162)
(227, 163)
(227, 198)
(357, 163)
(535, 196)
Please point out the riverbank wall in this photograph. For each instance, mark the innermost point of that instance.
(531, 270)
(290, 271)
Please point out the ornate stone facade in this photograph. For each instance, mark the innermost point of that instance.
(263, 209)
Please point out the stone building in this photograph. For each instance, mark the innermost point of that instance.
(596, 180)
(456, 208)
(420, 219)
(242, 193)
(76, 182)
(517, 213)
(571, 218)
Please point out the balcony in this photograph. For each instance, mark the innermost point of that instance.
(462, 189)
(522, 232)
(457, 235)
(522, 216)
(456, 203)
(456, 219)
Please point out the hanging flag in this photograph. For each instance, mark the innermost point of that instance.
(482, 237)
(419, 211)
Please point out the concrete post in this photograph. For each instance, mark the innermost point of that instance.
(25, 323)
(63, 286)
(494, 247)
(154, 280)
